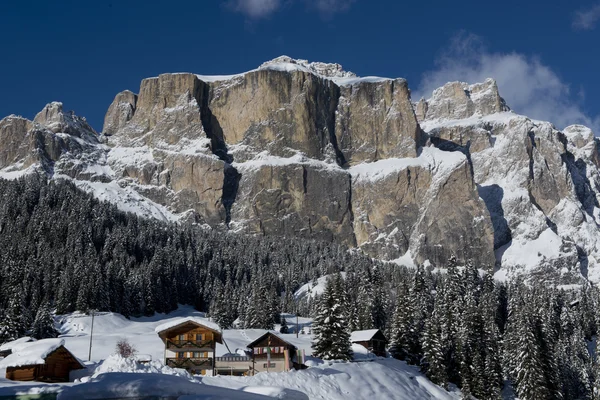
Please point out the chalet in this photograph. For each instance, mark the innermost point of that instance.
(372, 339)
(190, 343)
(271, 353)
(7, 347)
(45, 360)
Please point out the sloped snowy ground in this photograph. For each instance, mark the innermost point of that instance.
(113, 377)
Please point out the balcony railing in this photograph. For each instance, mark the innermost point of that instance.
(189, 362)
(180, 344)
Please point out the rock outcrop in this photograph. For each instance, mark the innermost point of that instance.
(299, 149)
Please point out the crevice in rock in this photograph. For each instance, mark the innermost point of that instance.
(583, 261)
(492, 196)
(231, 176)
(231, 183)
(330, 123)
(530, 146)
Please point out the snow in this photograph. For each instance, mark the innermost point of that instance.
(111, 376)
(440, 162)
(378, 379)
(125, 198)
(266, 159)
(16, 343)
(331, 71)
(133, 385)
(502, 118)
(361, 353)
(32, 353)
(312, 288)
(178, 321)
(363, 336)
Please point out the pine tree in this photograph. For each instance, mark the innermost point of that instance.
(43, 325)
(433, 362)
(403, 334)
(330, 328)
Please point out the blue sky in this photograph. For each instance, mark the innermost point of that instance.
(545, 55)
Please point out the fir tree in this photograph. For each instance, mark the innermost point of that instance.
(330, 327)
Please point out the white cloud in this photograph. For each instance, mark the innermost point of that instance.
(255, 8)
(586, 19)
(528, 86)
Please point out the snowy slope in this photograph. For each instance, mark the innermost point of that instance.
(113, 376)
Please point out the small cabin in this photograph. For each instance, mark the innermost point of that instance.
(271, 353)
(46, 360)
(372, 339)
(190, 343)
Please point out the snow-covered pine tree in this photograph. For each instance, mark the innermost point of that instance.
(433, 361)
(43, 324)
(330, 327)
(403, 334)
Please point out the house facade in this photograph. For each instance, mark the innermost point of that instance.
(270, 353)
(190, 343)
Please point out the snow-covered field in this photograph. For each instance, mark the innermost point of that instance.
(109, 376)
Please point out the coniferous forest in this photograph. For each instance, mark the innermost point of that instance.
(62, 250)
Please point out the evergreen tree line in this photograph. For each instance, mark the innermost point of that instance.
(464, 328)
(62, 250)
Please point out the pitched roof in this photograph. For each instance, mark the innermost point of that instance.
(180, 321)
(261, 337)
(33, 353)
(362, 336)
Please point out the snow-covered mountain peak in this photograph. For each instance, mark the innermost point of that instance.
(327, 70)
(579, 135)
(55, 119)
(460, 100)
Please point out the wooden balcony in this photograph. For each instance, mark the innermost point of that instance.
(190, 344)
(205, 363)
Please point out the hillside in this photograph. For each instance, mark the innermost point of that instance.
(383, 378)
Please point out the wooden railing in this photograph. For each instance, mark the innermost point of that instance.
(189, 362)
(180, 344)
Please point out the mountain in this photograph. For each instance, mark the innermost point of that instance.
(301, 149)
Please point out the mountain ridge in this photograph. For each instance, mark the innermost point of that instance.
(310, 150)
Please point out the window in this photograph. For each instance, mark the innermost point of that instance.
(182, 338)
(180, 354)
(198, 337)
(269, 365)
(197, 354)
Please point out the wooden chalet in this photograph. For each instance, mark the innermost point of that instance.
(372, 339)
(190, 343)
(44, 360)
(271, 353)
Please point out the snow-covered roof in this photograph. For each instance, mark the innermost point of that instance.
(33, 353)
(258, 339)
(196, 320)
(16, 343)
(362, 336)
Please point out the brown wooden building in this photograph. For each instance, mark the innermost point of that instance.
(45, 360)
(372, 339)
(271, 353)
(190, 343)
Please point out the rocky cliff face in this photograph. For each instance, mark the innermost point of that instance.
(300, 149)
